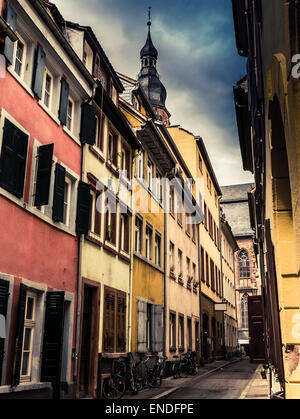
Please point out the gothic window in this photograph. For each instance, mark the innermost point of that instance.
(244, 264)
(244, 311)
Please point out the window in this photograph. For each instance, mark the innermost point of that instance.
(67, 201)
(138, 235)
(180, 274)
(99, 131)
(212, 274)
(179, 209)
(171, 199)
(47, 89)
(189, 331)
(172, 265)
(70, 113)
(112, 148)
(244, 264)
(150, 173)
(194, 273)
(188, 274)
(140, 165)
(124, 232)
(114, 321)
(181, 332)
(208, 183)
(149, 242)
(110, 223)
(149, 327)
(187, 224)
(157, 249)
(202, 265)
(95, 213)
(20, 57)
(28, 335)
(244, 311)
(159, 186)
(172, 327)
(207, 269)
(200, 163)
(205, 216)
(125, 161)
(13, 159)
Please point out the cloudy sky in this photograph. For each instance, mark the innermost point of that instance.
(198, 63)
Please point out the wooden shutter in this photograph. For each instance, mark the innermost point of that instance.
(83, 208)
(11, 19)
(141, 326)
(4, 294)
(97, 224)
(38, 71)
(13, 159)
(59, 193)
(156, 328)
(43, 176)
(19, 335)
(53, 337)
(88, 124)
(64, 102)
(273, 306)
(109, 321)
(121, 322)
(257, 344)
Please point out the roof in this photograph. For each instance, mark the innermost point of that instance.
(235, 206)
(208, 164)
(149, 48)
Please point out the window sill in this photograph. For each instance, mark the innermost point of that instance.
(20, 81)
(44, 107)
(172, 275)
(93, 240)
(72, 136)
(180, 282)
(97, 153)
(114, 354)
(141, 257)
(179, 223)
(114, 170)
(110, 249)
(124, 256)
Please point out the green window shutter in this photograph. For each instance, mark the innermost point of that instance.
(11, 19)
(43, 176)
(13, 159)
(109, 321)
(53, 337)
(19, 335)
(64, 101)
(121, 322)
(156, 328)
(141, 326)
(83, 208)
(88, 124)
(38, 71)
(59, 193)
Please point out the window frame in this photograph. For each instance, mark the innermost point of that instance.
(47, 73)
(28, 324)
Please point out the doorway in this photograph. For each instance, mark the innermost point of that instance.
(87, 382)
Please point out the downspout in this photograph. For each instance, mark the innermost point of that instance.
(79, 266)
(222, 284)
(200, 295)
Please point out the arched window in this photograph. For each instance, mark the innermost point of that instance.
(244, 264)
(244, 311)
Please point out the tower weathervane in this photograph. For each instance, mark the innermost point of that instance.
(149, 15)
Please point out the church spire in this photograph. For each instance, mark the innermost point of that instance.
(148, 77)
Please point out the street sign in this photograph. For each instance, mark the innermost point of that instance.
(220, 306)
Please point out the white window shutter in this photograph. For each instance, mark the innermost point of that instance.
(141, 326)
(157, 328)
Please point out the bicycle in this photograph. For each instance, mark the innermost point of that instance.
(114, 386)
(155, 374)
(186, 363)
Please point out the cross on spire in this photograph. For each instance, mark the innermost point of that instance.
(149, 16)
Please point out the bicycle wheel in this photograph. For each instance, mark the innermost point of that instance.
(155, 380)
(113, 388)
(176, 370)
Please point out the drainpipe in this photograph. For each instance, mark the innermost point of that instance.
(200, 293)
(222, 285)
(79, 264)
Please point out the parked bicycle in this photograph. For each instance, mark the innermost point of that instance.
(114, 386)
(155, 374)
(185, 364)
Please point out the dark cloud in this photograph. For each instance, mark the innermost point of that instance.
(198, 63)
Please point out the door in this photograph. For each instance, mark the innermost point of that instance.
(86, 342)
(205, 337)
(257, 346)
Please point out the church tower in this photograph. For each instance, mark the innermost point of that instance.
(148, 78)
